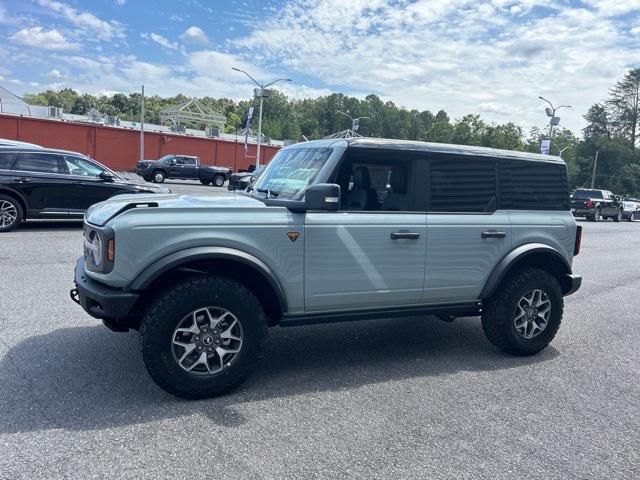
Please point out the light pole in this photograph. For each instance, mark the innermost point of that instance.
(262, 92)
(560, 152)
(355, 122)
(551, 113)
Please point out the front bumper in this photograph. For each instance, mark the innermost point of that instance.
(99, 300)
(571, 284)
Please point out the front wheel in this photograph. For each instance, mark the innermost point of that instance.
(202, 337)
(597, 215)
(524, 315)
(218, 180)
(10, 213)
(158, 177)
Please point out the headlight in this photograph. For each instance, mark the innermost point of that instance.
(99, 249)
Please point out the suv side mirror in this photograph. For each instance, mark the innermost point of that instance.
(322, 196)
(106, 176)
(172, 162)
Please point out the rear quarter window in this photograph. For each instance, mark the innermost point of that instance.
(533, 186)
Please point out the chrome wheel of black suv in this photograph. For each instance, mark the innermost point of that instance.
(523, 316)
(10, 213)
(195, 350)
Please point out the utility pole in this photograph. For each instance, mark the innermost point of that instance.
(261, 92)
(595, 165)
(142, 125)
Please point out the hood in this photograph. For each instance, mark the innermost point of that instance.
(100, 213)
(240, 175)
(141, 185)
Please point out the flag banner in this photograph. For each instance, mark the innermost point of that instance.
(246, 132)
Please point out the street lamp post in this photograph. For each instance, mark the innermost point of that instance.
(560, 152)
(261, 90)
(355, 122)
(551, 113)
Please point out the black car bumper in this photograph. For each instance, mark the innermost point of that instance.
(571, 284)
(99, 300)
(583, 212)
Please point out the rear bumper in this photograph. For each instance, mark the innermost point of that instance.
(99, 300)
(571, 284)
(583, 212)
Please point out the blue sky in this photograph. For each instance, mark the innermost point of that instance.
(489, 57)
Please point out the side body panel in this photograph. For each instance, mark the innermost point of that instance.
(554, 228)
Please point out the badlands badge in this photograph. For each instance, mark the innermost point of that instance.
(293, 236)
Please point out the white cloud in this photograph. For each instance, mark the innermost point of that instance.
(195, 36)
(463, 56)
(55, 73)
(615, 7)
(121, 2)
(90, 25)
(4, 16)
(38, 37)
(160, 40)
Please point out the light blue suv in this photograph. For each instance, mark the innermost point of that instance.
(333, 230)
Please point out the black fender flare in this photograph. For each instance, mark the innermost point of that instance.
(513, 257)
(173, 260)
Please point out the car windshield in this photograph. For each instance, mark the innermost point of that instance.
(166, 159)
(587, 194)
(290, 172)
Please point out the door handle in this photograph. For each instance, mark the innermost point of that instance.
(405, 235)
(21, 180)
(492, 234)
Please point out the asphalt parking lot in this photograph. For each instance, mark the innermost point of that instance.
(410, 398)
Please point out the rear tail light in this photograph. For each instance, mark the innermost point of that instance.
(578, 241)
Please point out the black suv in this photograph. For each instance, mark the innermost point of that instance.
(46, 183)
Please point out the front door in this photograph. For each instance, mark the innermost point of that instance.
(85, 185)
(371, 253)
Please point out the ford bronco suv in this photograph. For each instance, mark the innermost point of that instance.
(333, 230)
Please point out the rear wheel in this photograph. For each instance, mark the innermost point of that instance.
(10, 213)
(597, 216)
(618, 216)
(205, 181)
(201, 337)
(524, 315)
(632, 216)
(158, 177)
(218, 180)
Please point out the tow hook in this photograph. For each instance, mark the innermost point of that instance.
(75, 295)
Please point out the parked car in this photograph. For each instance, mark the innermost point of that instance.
(243, 180)
(596, 205)
(182, 167)
(47, 183)
(461, 231)
(630, 209)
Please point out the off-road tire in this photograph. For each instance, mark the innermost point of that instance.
(6, 199)
(218, 180)
(205, 181)
(498, 312)
(169, 308)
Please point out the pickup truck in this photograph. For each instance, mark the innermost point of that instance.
(596, 205)
(183, 167)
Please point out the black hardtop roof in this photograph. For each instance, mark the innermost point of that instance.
(445, 148)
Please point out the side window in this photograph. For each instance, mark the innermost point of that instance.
(38, 162)
(80, 166)
(6, 160)
(533, 186)
(375, 180)
(462, 185)
(189, 161)
(180, 160)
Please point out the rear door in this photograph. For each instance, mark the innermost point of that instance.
(190, 167)
(42, 182)
(466, 234)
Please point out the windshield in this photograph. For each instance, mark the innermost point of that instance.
(587, 194)
(166, 159)
(290, 172)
